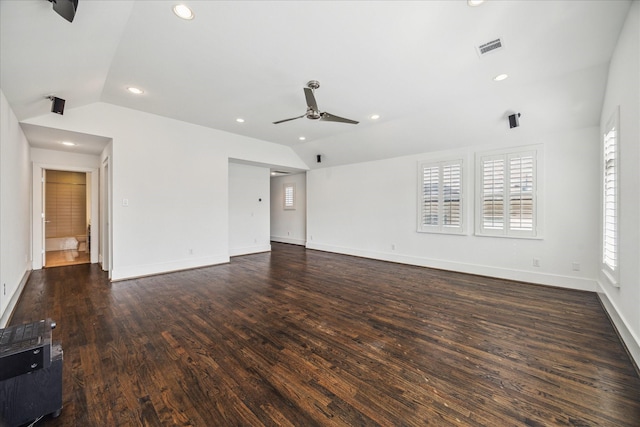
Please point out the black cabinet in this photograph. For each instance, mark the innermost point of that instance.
(30, 373)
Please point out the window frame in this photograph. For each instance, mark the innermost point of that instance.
(506, 156)
(285, 187)
(441, 227)
(611, 272)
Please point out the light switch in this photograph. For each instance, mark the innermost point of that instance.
(125, 202)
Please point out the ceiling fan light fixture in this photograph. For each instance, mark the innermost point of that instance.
(183, 11)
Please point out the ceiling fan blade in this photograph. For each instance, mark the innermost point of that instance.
(327, 117)
(311, 100)
(287, 120)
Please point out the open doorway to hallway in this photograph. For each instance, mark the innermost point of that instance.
(67, 217)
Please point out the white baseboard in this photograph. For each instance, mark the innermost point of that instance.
(134, 271)
(246, 250)
(626, 334)
(569, 282)
(281, 239)
(4, 320)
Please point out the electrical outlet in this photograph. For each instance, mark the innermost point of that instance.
(393, 247)
(575, 266)
(190, 251)
(4, 288)
(536, 262)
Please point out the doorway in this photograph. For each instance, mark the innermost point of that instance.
(38, 210)
(67, 218)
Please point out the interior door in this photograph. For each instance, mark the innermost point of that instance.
(43, 183)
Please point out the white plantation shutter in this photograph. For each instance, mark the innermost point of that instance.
(507, 194)
(493, 194)
(289, 196)
(430, 195)
(521, 193)
(440, 197)
(451, 202)
(610, 202)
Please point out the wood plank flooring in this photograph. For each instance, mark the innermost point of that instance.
(303, 338)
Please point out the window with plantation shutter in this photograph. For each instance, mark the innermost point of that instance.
(610, 201)
(521, 193)
(440, 197)
(507, 194)
(289, 196)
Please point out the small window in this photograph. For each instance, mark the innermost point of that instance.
(440, 197)
(507, 194)
(610, 199)
(289, 196)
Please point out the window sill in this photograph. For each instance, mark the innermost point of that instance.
(504, 236)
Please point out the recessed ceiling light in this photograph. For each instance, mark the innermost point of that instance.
(68, 143)
(240, 120)
(135, 90)
(474, 3)
(183, 11)
(374, 116)
(500, 77)
(273, 174)
(302, 138)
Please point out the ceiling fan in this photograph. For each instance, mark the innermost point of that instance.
(312, 108)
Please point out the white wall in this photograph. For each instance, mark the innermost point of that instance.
(174, 176)
(61, 160)
(248, 209)
(289, 225)
(623, 90)
(370, 209)
(14, 210)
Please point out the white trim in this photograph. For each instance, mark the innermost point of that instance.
(286, 186)
(253, 249)
(38, 208)
(505, 154)
(280, 239)
(569, 282)
(6, 316)
(630, 340)
(153, 269)
(612, 275)
(439, 227)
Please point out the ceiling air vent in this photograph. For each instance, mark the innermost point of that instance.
(491, 46)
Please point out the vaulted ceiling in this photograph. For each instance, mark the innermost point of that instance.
(413, 63)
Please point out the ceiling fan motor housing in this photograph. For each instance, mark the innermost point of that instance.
(313, 115)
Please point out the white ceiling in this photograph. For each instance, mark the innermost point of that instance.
(414, 63)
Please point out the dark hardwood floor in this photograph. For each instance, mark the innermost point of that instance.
(302, 338)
